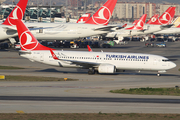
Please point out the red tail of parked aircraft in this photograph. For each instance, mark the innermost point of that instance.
(103, 15)
(166, 18)
(17, 13)
(140, 24)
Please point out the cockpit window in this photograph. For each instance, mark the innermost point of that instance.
(165, 60)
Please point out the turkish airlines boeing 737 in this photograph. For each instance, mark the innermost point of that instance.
(102, 62)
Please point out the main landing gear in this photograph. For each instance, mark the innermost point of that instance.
(92, 71)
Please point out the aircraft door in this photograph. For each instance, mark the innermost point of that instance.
(42, 57)
(155, 61)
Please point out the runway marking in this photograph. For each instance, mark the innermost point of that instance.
(58, 87)
(20, 111)
(2, 77)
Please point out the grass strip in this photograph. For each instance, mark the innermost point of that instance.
(34, 78)
(149, 91)
(9, 67)
(89, 116)
(179, 69)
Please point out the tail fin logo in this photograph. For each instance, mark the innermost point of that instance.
(27, 42)
(16, 14)
(166, 18)
(153, 19)
(140, 24)
(103, 17)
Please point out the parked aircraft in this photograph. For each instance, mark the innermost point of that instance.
(134, 30)
(102, 62)
(153, 19)
(148, 28)
(6, 29)
(172, 30)
(96, 25)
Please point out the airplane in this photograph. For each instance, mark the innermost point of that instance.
(6, 28)
(153, 26)
(134, 30)
(96, 25)
(172, 30)
(153, 19)
(101, 62)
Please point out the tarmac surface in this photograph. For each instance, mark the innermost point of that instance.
(90, 94)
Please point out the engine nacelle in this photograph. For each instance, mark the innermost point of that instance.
(106, 68)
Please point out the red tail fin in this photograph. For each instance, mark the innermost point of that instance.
(27, 40)
(153, 19)
(140, 24)
(84, 18)
(17, 13)
(89, 48)
(166, 17)
(103, 15)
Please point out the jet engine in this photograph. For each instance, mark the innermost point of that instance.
(106, 68)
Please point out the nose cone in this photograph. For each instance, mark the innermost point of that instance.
(173, 65)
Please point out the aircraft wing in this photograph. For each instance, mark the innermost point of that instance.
(105, 28)
(40, 28)
(82, 63)
(9, 28)
(166, 26)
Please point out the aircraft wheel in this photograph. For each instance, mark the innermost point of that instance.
(91, 71)
(158, 74)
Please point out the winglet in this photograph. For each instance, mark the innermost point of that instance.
(84, 18)
(53, 55)
(166, 17)
(103, 15)
(17, 13)
(89, 48)
(153, 19)
(140, 24)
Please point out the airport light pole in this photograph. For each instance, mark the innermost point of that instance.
(77, 10)
(84, 6)
(37, 11)
(50, 10)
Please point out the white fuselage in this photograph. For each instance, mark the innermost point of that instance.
(58, 31)
(128, 33)
(172, 30)
(121, 61)
(67, 31)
